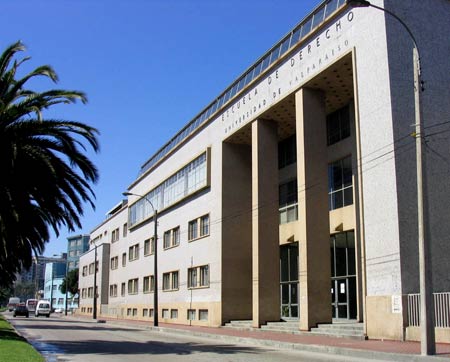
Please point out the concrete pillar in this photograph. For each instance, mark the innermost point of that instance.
(236, 232)
(265, 224)
(314, 243)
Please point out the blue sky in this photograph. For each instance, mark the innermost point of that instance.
(148, 67)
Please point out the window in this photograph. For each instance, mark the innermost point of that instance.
(186, 181)
(288, 201)
(203, 314)
(133, 252)
(91, 268)
(173, 313)
(340, 183)
(122, 290)
(124, 259)
(114, 262)
(91, 292)
(133, 286)
(165, 313)
(198, 228)
(192, 229)
(125, 229)
(151, 313)
(83, 293)
(113, 290)
(85, 270)
(149, 284)
(149, 246)
(338, 125)
(198, 276)
(171, 238)
(191, 314)
(170, 281)
(145, 312)
(287, 152)
(115, 235)
(204, 225)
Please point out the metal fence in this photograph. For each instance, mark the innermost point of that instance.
(441, 310)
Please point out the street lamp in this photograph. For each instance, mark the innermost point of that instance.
(155, 272)
(51, 288)
(67, 287)
(94, 307)
(427, 340)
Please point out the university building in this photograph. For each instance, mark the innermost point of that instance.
(293, 195)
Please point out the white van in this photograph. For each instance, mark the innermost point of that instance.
(12, 303)
(43, 308)
(31, 305)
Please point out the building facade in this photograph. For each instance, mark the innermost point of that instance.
(293, 195)
(36, 273)
(55, 273)
(76, 245)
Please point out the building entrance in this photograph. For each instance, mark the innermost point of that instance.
(289, 281)
(343, 276)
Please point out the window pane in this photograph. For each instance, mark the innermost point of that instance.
(331, 6)
(348, 196)
(318, 17)
(284, 264)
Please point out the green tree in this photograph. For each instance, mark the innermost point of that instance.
(46, 176)
(25, 290)
(71, 282)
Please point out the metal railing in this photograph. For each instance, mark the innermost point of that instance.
(441, 303)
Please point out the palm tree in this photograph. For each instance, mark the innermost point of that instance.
(45, 175)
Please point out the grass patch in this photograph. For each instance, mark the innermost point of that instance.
(14, 348)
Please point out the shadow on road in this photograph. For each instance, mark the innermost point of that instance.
(149, 347)
(68, 325)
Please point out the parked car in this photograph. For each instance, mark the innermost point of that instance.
(43, 308)
(21, 310)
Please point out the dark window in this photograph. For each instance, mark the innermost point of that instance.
(338, 125)
(288, 193)
(287, 152)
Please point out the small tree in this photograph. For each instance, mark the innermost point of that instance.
(70, 282)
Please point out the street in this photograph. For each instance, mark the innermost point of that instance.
(66, 339)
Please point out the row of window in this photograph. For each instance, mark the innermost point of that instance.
(88, 292)
(166, 313)
(116, 232)
(198, 277)
(338, 128)
(89, 268)
(340, 190)
(183, 183)
(197, 228)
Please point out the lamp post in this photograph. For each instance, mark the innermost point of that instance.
(427, 340)
(94, 307)
(51, 288)
(67, 287)
(155, 266)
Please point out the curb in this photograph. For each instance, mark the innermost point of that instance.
(341, 351)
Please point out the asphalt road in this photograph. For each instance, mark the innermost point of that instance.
(61, 339)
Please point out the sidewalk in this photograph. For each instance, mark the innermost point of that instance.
(374, 349)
